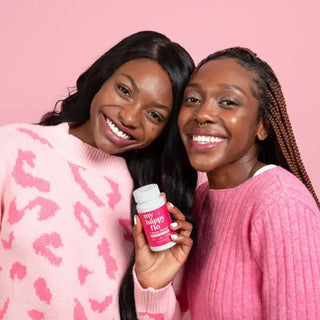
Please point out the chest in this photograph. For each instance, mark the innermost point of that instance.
(223, 276)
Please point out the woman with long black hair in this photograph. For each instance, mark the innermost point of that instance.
(66, 183)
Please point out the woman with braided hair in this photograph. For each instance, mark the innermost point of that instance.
(256, 253)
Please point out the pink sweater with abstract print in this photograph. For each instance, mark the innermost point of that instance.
(257, 256)
(65, 237)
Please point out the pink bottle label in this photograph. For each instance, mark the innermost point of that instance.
(156, 226)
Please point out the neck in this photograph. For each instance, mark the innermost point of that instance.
(233, 174)
(84, 133)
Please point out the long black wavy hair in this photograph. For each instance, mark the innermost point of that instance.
(164, 161)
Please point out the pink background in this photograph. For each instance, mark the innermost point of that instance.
(44, 47)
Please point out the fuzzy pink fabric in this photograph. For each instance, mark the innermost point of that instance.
(257, 255)
(65, 238)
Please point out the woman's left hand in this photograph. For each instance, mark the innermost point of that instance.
(157, 269)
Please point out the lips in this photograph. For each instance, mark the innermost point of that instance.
(204, 139)
(116, 130)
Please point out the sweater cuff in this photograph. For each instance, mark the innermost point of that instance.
(152, 300)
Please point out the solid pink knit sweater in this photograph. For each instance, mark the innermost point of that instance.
(257, 255)
(65, 237)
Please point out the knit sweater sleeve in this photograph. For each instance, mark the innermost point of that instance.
(156, 304)
(285, 239)
(170, 302)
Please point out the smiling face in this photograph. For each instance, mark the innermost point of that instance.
(130, 110)
(219, 97)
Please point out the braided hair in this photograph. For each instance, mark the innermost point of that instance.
(280, 147)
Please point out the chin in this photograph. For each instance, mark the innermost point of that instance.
(202, 167)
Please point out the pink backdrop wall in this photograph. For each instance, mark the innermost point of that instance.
(44, 47)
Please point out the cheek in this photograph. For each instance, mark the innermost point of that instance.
(154, 132)
(183, 118)
(240, 122)
(233, 120)
(181, 124)
(105, 95)
(92, 109)
(95, 103)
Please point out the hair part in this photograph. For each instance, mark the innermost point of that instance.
(280, 147)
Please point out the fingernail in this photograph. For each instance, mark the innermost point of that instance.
(162, 193)
(174, 236)
(135, 220)
(173, 224)
(171, 205)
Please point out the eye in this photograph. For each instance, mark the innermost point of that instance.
(156, 116)
(228, 103)
(191, 100)
(123, 90)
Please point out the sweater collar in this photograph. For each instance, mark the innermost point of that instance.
(78, 151)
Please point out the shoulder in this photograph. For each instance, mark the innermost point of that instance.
(14, 133)
(279, 191)
(23, 134)
(21, 129)
(12, 128)
(279, 183)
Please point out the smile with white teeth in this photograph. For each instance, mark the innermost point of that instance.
(206, 139)
(116, 130)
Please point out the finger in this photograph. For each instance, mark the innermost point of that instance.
(138, 235)
(163, 195)
(176, 213)
(182, 227)
(185, 242)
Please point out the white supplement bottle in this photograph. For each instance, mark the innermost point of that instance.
(154, 216)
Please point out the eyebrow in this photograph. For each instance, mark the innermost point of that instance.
(225, 86)
(232, 86)
(162, 106)
(133, 83)
(193, 85)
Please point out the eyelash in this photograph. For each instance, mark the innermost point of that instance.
(191, 100)
(228, 103)
(156, 116)
(121, 88)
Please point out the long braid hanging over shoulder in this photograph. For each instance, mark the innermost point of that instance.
(280, 147)
(280, 123)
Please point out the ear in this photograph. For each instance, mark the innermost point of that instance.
(262, 129)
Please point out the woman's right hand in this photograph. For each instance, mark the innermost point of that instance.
(158, 269)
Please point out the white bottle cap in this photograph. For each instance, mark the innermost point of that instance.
(146, 193)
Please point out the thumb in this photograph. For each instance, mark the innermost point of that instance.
(163, 196)
(138, 234)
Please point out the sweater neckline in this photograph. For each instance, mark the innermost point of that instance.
(81, 152)
(249, 181)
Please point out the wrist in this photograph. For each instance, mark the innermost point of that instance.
(146, 283)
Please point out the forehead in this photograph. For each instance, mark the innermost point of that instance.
(224, 71)
(141, 66)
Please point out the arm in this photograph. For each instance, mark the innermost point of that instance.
(286, 244)
(156, 304)
(154, 271)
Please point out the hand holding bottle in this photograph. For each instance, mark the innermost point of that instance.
(156, 269)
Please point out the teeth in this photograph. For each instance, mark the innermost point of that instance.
(116, 130)
(206, 139)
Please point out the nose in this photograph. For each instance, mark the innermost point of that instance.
(206, 112)
(130, 115)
